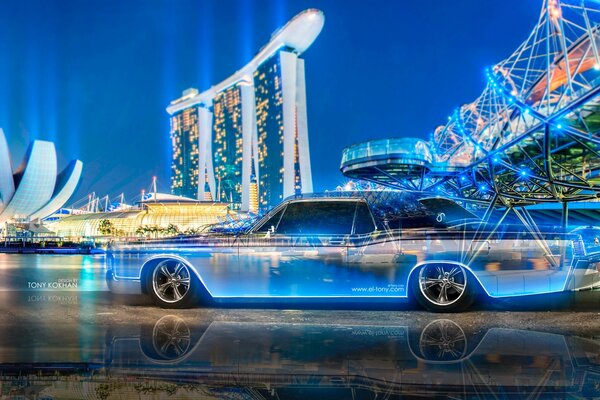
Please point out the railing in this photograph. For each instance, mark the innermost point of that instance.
(411, 149)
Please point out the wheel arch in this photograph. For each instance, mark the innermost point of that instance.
(155, 260)
(470, 273)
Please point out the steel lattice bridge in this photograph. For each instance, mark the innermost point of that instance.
(532, 136)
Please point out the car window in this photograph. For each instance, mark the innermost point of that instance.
(323, 217)
(363, 222)
(271, 222)
(399, 210)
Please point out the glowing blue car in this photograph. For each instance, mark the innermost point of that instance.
(355, 247)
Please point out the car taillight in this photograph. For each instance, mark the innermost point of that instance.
(578, 247)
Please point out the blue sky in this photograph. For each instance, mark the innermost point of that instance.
(95, 76)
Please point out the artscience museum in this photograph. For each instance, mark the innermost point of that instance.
(34, 190)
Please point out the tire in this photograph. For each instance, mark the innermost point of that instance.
(443, 287)
(172, 284)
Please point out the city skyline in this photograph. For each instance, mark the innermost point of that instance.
(116, 125)
(249, 129)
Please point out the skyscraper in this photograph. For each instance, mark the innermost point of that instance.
(227, 144)
(252, 127)
(270, 134)
(184, 140)
(282, 134)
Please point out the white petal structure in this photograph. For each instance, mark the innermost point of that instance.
(34, 181)
(7, 184)
(66, 184)
(33, 191)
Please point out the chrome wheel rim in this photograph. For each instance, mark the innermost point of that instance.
(443, 340)
(442, 284)
(171, 281)
(171, 337)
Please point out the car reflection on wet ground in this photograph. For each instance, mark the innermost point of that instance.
(84, 343)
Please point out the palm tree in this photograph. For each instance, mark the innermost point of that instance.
(171, 230)
(141, 230)
(106, 227)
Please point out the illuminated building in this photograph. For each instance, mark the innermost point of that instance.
(34, 191)
(184, 214)
(207, 194)
(184, 140)
(227, 147)
(282, 135)
(254, 120)
(253, 204)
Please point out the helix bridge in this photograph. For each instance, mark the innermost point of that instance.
(531, 137)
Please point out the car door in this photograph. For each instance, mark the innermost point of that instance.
(380, 258)
(300, 251)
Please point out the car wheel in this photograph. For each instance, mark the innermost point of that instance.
(172, 284)
(443, 287)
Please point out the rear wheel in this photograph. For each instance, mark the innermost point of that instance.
(443, 287)
(172, 284)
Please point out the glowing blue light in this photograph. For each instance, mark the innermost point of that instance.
(206, 29)
(279, 8)
(246, 14)
(527, 111)
(559, 126)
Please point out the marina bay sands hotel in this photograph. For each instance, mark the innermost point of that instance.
(245, 140)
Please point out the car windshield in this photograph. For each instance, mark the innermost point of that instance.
(272, 222)
(362, 213)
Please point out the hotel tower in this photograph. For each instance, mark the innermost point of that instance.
(245, 140)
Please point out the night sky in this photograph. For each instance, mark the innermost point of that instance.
(95, 76)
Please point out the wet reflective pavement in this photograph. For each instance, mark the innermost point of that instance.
(81, 342)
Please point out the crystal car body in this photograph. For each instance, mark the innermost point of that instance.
(369, 246)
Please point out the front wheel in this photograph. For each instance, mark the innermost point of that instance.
(172, 284)
(443, 287)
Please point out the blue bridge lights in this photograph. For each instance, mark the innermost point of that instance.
(533, 135)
